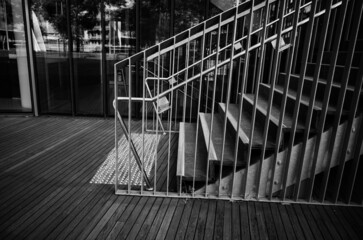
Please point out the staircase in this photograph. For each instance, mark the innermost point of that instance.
(268, 109)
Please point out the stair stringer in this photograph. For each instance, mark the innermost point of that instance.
(266, 173)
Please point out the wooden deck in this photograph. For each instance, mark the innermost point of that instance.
(46, 165)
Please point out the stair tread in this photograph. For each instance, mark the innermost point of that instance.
(188, 148)
(318, 105)
(216, 142)
(245, 126)
(321, 80)
(262, 105)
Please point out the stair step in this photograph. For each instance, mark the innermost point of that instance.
(308, 83)
(245, 126)
(342, 55)
(292, 94)
(338, 73)
(216, 142)
(262, 105)
(186, 151)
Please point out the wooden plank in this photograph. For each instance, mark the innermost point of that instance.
(227, 222)
(193, 220)
(316, 231)
(202, 217)
(290, 232)
(302, 222)
(144, 229)
(253, 222)
(167, 219)
(136, 218)
(276, 219)
(218, 225)
(261, 221)
(265, 216)
(174, 223)
(326, 221)
(334, 221)
(182, 227)
(209, 225)
(244, 221)
(235, 225)
(343, 222)
(158, 219)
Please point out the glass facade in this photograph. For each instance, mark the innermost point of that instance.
(74, 45)
(15, 94)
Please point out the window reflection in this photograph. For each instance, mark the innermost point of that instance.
(14, 77)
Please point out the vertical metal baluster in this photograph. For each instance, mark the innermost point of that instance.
(129, 130)
(272, 90)
(327, 92)
(116, 132)
(199, 106)
(286, 86)
(354, 105)
(315, 30)
(157, 122)
(225, 66)
(213, 104)
(228, 100)
(143, 121)
(240, 62)
(307, 42)
(177, 91)
(186, 76)
(192, 83)
(172, 57)
(301, 157)
(331, 33)
(210, 60)
(244, 76)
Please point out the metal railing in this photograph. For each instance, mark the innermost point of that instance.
(272, 92)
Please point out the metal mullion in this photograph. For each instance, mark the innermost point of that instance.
(289, 66)
(299, 94)
(213, 104)
(270, 100)
(157, 122)
(199, 106)
(327, 93)
(355, 164)
(186, 77)
(129, 130)
(309, 115)
(227, 102)
(348, 64)
(244, 76)
(172, 57)
(354, 104)
(116, 132)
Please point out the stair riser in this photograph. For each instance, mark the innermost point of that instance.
(341, 58)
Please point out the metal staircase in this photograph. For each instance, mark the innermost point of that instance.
(266, 99)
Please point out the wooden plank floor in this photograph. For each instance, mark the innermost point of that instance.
(46, 165)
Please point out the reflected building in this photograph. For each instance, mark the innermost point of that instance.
(57, 56)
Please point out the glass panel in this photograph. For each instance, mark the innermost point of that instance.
(87, 53)
(187, 13)
(120, 39)
(154, 22)
(51, 51)
(14, 76)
